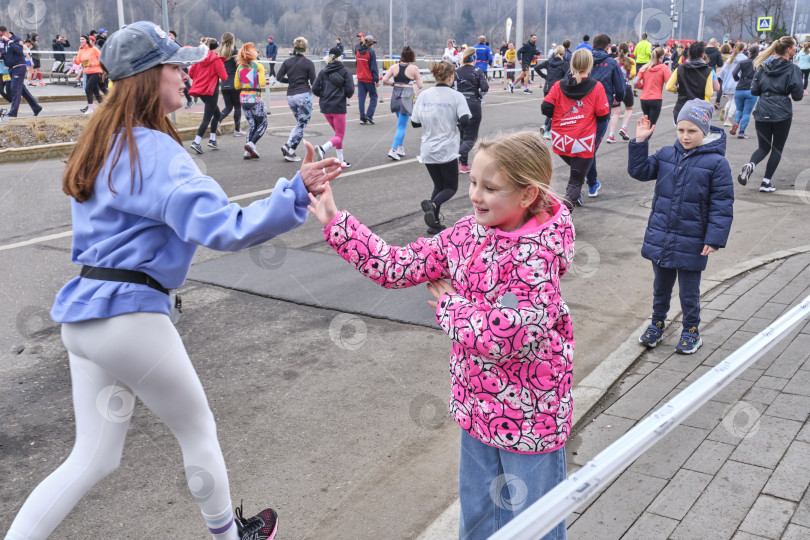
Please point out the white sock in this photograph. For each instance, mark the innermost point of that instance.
(197, 139)
(766, 180)
(339, 154)
(611, 134)
(326, 146)
(213, 136)
(624, 128)
(221, 520)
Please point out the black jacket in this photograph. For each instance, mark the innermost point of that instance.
(744, 74)
(552, 71)
(776, 81)
(471, 81)
(692, 81)
(230, 69)
(333, 85)
(715, 57)
(526, 54)
(58, 45)
(298, 72)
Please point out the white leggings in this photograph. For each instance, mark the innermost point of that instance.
(111, 362)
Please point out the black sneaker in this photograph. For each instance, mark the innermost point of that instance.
(213, 144)
(196, 147)
(370, 120)
(262, 526)
(284, 150)
(83, 110)
(437, 229)
(767, 187)
(431, 220)
(363, 120)
(321, 152)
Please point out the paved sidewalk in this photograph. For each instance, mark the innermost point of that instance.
(736, 468)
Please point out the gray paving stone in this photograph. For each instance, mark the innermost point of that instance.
(733, 391)
(747, 536)
(722, 302)
(696, 374)
(746, 306)
(644, 367)
(796, 532)
(680, 494)
(708, 315)
(714, 293)
(724, 503)
(757, 324)
(709, 457)
(718, 356)
(686, 363)
(788, 294)
(802, 514)
(664, 349)
(738, 339)
(766, 445)
(774, 383)
(618, 507)
(768, 517)
(799, 384)
(771, 355)
(791, 358)
(719, 331)
(751, 374)
(804, 434)
(750, 279)
(597, 436)
(772, 310)
(792, 475)
(650, 527)
(644, 395)
(790, 406)
(761, 395)
(707, 416)
(736, 421)
(665, 458)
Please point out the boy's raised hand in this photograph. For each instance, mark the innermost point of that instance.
(323, 208)
(643, 129)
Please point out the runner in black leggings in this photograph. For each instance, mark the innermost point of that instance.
(775, 81)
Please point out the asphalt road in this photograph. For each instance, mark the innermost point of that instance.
(336, 418)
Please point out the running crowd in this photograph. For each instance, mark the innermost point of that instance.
(494, 275)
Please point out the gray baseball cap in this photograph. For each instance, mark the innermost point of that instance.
(143, 45)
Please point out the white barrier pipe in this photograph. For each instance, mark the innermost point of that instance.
(542, 516)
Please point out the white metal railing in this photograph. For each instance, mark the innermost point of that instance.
(543, 515)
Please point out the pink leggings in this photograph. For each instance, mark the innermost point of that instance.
(338, 123)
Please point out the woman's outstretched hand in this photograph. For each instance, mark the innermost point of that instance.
(317, 175)
(643, 129)
(323, 208)
(437, 289)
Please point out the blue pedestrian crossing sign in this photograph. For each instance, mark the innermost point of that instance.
(764, 23)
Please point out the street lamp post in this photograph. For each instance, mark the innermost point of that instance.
(120, 14)
(545, 31)
(793, 19)
(519, 25)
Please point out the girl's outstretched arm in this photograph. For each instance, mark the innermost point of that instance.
(391, 266)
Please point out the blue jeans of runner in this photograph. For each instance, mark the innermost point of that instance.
(18, 90)
(363, 89)
(745, 102)
(495, 485)
(689, 289)
(301, 107)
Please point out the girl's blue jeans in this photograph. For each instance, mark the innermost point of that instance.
(495, 485)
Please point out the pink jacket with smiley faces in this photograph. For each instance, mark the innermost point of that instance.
(513, 342)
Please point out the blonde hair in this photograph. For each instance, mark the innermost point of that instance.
(331, 58)
(467, 54)
(738, 48)
(441, 70)
(533, 169)
(581, 62)
(300, 44)
(559, 52)
(806, 48)
(247, 54)
(226, 46)
(777, 47)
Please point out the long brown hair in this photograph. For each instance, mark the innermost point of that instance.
(779, 47)
(624, 58)
(738, 48)
(133, 102)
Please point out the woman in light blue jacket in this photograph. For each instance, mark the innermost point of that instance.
(140, 207)
(804, 64)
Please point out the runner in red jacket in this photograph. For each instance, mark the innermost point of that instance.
(206, 76)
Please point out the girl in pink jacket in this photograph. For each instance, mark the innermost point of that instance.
(495, 278)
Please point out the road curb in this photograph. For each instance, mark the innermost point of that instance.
(588, 393)
(57, 150)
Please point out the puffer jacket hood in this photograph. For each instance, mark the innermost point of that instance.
(513, 341)
(776, 81)
(693, 202)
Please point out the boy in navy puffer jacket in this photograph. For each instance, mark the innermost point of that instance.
(691, 214)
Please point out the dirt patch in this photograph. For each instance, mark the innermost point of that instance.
(26, 132)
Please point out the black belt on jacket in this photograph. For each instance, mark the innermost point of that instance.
(123, 276)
